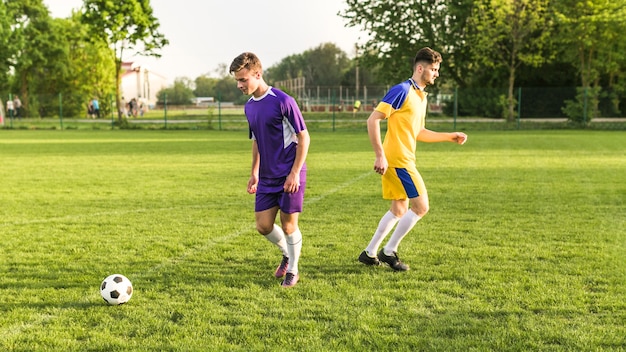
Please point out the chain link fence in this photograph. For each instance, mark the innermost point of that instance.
(331, 108)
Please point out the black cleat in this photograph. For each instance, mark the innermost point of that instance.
(393, 261)
(367, 260)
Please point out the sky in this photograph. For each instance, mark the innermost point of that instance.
(206, 33)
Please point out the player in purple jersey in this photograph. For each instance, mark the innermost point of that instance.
(280, 143)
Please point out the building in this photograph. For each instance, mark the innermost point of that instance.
(139, 82)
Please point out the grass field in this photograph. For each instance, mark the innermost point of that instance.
(523, 250)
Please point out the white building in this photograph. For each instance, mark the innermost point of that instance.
(141, 83)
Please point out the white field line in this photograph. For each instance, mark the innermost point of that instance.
(10, 332)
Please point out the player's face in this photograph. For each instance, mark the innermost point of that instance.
(430, 72)
(247, 81)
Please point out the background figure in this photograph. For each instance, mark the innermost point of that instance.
(18, 107)
(280, 143)
(123, 107)
(96, 107)
(357, 107)
(133, 107)
(90, 112)
(10, 109)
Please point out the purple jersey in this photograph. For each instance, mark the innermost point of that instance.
(274, 120)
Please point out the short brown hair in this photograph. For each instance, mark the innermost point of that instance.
(246, 60)
(427, 55)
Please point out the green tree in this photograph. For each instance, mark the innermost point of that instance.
(205, 86)
(590, 33)
(324, 65)
(124, 25)
(509, 33)
(89, 68)
(395, 30)
(35, 49)
(180, 93)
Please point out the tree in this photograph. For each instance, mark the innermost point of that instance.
(88, 68)
(509, 33)
(205, 86)
(180, 93)
(124, 25)
(397, 29)
(35, 47)
(590, 32)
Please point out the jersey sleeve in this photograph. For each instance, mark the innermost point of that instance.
(393, 100)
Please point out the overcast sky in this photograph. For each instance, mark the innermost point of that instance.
(206, 33)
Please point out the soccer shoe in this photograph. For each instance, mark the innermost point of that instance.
(393, 261)
(367, 260)
(290, 280)
(281, 270)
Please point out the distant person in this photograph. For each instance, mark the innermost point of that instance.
(10, 109)
(133, 107)
(96, 107)
(280, 144)
(18, 107)
(90, 111)
(123, 109)
(357, 107)
(404, 108)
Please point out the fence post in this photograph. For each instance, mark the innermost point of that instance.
(333, 107)
(585, 107)
(519, 106)
(61, 109)
(219, 111)
(165, 110)
(113, 106)
(12, 110)
(456, 105)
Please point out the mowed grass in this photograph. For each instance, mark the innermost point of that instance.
(524, 247)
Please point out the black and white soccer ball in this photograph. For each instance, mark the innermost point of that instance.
(116, 289)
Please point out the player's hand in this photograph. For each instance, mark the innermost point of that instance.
(252, 184)
(381, 165)
(459, 138)
(292, 183)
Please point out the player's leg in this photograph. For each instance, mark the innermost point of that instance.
(266, 209)
(293, 237)
(291, 205)
(415, 189)
(386, 223)
(394, 190)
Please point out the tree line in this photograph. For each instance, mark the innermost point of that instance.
(486, 44)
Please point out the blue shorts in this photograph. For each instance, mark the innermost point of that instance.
(287, 202)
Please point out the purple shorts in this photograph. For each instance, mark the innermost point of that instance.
(269, 197)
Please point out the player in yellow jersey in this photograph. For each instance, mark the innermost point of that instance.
(404, 108)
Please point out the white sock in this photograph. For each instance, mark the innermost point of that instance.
(277, 237)
(406, 223)
(294, 246)
(385, 225)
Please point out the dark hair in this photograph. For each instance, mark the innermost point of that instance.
(426, 55)
(246, 60)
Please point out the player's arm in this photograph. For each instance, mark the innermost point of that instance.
(429, 136)
(292, 183)
(254, 173)
(373, 130)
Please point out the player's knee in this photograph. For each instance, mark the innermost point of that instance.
(289, 229)
(264, 229)
(421, 211)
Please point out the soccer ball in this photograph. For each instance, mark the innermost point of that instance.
(116, 289)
